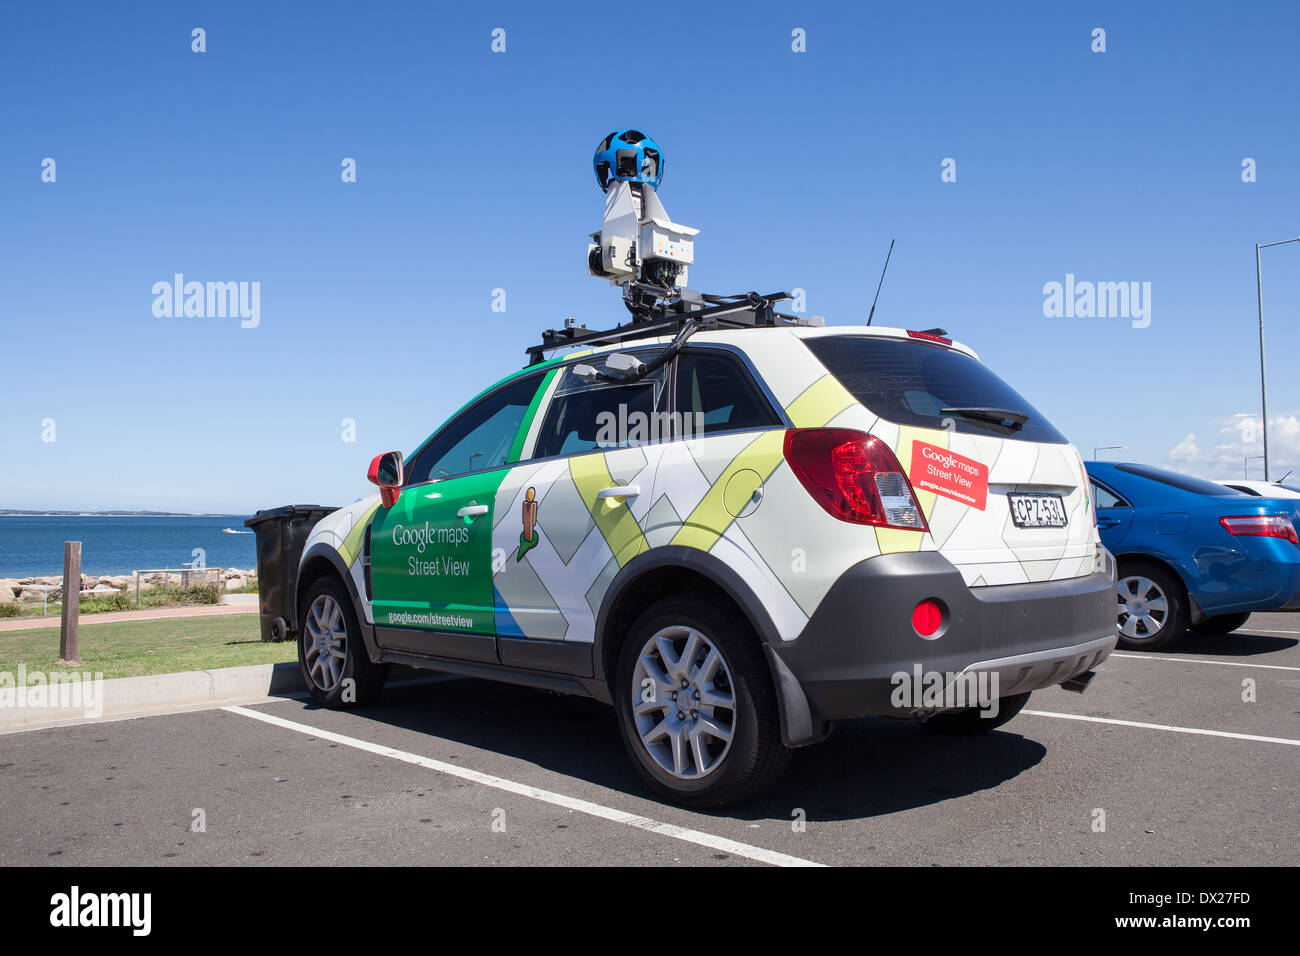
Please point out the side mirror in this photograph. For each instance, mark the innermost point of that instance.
(386, 472)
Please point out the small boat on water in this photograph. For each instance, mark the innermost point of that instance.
(233, 531)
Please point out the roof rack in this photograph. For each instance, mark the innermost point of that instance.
(655, 313)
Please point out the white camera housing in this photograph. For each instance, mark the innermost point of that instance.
(636, 229)
(666, 240)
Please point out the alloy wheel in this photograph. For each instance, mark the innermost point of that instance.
(683, 702)
(328, 633)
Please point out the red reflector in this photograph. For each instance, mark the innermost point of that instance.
(929, 337)
(926, 617)
(1263, 526)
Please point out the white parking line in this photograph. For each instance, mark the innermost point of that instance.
(533, 793)
(1194, 660)
(1261, 630)
(1176, 730)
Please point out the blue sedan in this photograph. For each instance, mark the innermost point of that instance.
(1192, 553)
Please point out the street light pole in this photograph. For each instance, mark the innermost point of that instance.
(1263, 383)
(1103, 448)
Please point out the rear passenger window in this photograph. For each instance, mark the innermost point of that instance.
(716, 394)
(1104, 499)
(586, 415)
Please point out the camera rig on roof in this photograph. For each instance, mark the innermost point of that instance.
(640, 249)
(681, 314)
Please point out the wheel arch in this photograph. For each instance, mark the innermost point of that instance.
(673, 569)
(320, 561)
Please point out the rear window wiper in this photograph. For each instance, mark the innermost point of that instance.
(1006, 418)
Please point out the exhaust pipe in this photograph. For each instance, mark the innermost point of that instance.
(1079, 682)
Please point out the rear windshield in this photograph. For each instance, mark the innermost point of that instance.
(1198, 486)
(911, 383)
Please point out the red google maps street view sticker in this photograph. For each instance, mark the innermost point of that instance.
(949, 474)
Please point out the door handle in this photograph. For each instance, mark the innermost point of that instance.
(619, 491)
(1107, 522)
(472, 511)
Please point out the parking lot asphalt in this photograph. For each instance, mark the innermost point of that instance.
(1189, 756)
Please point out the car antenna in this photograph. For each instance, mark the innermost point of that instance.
(1284, 477)
(881, 282)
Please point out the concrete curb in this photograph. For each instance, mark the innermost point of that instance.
(87, 698)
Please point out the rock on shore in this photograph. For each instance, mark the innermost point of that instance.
(34, 588)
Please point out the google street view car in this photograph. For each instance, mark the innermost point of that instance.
(734, 525)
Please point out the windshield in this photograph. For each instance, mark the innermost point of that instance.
(916, 383)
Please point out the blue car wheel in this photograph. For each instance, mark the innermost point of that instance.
(1151, 607)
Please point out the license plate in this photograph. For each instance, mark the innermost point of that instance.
(1037, 511)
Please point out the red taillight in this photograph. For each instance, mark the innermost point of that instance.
(1264, 526)
(854, 476)
(927, 617)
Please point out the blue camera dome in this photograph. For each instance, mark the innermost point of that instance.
(630, 156)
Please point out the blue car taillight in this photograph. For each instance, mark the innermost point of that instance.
(1264, 526)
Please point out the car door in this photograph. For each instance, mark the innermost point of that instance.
(569, 515)
(1114, 516)
(431, 552)
(713, 478)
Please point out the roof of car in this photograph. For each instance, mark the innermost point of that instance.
(1123, 472)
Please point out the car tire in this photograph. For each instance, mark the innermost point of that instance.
(1221, 624)
(331, 651)
(724, 745)
(971, 720)
(1151, 606)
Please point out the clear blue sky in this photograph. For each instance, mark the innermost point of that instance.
(474, 173)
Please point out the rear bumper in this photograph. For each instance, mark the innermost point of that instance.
(1247, 573)
(1275, 587)
(847, 661)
